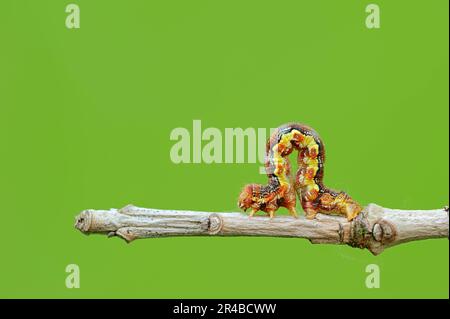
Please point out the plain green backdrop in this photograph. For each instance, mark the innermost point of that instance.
(86, 116)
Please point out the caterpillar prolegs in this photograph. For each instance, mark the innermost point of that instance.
(282, 188)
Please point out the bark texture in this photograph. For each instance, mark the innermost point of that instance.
(376, 228)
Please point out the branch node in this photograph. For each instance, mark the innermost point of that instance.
(384, 231)
(127, 209)
(359, 231)
(215, 224)
(126, 234)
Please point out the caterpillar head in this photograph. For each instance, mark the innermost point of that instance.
(246, 198)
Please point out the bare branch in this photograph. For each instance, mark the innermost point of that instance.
(376, 228)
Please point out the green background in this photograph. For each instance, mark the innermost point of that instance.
(86, 116)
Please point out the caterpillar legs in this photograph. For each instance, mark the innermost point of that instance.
(268, 213)
(293, 212)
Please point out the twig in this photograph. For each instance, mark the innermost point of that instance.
(376, 228)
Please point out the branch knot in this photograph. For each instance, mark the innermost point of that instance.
(215, 224)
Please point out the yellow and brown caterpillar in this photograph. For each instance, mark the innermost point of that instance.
(282, 188)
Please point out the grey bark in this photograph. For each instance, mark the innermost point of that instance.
(376, 228)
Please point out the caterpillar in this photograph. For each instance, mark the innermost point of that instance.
(282, 188)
